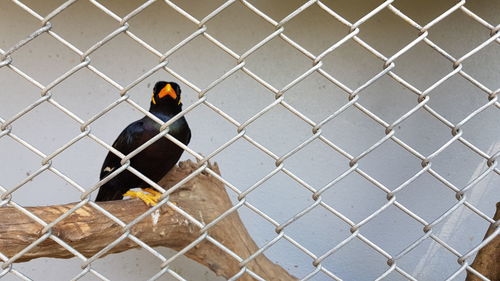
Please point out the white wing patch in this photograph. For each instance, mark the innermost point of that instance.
(108, 169)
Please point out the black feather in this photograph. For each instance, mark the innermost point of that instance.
(155, 160)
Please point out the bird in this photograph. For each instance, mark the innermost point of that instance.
(155, 160)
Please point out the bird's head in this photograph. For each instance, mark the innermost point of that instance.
(166, 95)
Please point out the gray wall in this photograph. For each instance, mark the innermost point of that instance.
(122, 59)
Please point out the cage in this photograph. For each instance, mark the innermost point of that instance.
(357, 140)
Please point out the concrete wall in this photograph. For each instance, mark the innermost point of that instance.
(201, 62)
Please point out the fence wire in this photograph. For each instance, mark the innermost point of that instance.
(202, 30)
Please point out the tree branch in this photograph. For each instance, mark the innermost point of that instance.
(88, 231)
(487, 261)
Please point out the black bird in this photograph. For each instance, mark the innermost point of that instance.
(155, 160)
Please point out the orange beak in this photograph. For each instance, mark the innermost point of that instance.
(167, 91)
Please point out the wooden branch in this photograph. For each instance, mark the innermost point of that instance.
(88, 230)
(487, 261)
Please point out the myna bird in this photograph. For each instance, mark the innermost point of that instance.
(156, 159)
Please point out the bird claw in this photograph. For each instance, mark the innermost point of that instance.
(150, 198)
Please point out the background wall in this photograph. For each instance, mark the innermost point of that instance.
(201, 62)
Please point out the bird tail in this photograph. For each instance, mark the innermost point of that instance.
(109, 193)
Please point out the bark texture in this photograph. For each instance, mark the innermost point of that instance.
(88, 230)
(487, 260)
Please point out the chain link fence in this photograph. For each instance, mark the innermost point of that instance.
(352, 100)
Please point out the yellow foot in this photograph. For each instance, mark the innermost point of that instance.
(153, 191)
(151, 198)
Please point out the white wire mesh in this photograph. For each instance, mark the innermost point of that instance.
(201, 29)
